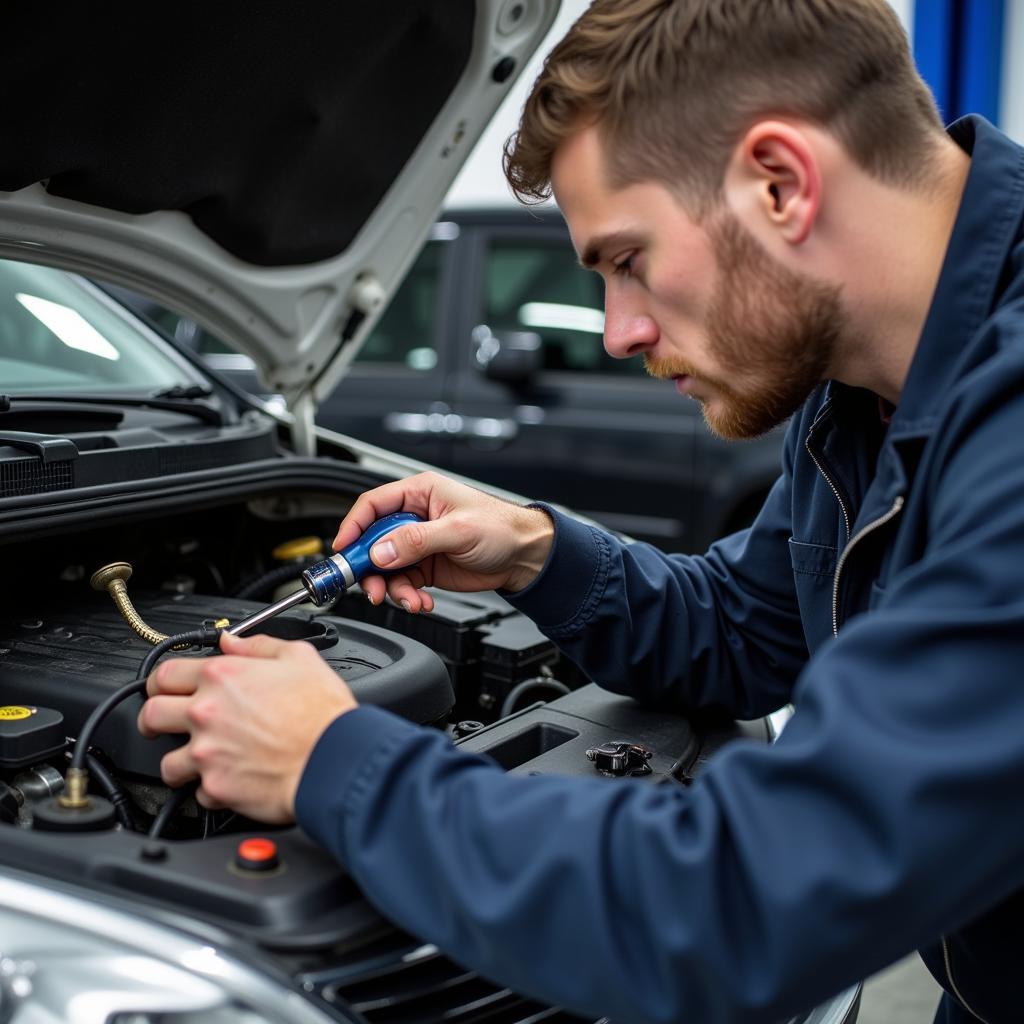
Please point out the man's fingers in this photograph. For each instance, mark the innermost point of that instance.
(412, 599)
(177, 767)
(402, 591)
(375, 588)
(258, 646)
(207, 801)
(163, 714)
(371, 505)
(174, 676)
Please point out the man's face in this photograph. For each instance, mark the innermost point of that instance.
(706, 306)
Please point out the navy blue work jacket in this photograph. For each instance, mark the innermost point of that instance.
(881, 590)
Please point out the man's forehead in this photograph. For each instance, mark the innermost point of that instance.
(604, 217)
(585, 197)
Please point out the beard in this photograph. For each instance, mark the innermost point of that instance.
(773, 331)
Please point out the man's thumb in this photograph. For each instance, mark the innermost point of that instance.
(402, 547)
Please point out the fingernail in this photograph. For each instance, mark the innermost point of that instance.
(384, 553)
(369, 597)
(405, 604)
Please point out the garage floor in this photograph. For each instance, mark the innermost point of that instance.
(904, 994)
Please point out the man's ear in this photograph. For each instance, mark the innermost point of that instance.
(774, 176)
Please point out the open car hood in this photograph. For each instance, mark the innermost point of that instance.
(269, 170)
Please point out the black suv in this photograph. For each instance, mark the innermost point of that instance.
(488, 362)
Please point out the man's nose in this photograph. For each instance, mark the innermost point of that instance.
(628, 331)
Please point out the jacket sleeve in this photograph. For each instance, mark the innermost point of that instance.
(720, 630)
(886, 814)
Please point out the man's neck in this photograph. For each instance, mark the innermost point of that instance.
(900, 252)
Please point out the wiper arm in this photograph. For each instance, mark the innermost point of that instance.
(171, 403)
(187, 391)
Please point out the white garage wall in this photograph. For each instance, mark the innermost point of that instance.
(1012, 99)
(481, 182)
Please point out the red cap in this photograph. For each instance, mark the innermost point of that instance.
(256, 854)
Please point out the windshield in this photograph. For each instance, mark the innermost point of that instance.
(59, 334)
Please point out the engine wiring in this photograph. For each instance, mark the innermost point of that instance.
(77, 774)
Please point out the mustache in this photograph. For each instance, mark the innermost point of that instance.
(666, 368)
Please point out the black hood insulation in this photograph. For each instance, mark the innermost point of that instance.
(276, 127)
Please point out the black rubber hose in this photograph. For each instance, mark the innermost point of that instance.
(681, 767)
(170, 808)
(538, 682)
(196, 638)
(273, 578)
(115, 791)
(204, 637)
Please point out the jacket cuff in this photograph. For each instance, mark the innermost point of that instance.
(345, 758)
(565, 593)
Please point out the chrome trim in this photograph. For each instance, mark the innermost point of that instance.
(838, 1010)
(345, 569)
(142, 936)
(948, 962)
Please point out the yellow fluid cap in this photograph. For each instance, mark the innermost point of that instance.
(300, 547)
(12, 712)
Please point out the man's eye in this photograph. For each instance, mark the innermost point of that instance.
(624, 267)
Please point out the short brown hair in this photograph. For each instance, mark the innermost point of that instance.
(674, 84)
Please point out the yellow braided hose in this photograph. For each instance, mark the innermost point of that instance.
(113, 578)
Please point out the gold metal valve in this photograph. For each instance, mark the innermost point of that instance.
(113, 578)
(76, 785)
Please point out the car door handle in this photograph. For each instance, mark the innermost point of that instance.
(421, 424)
(450, 424)
(487, 428)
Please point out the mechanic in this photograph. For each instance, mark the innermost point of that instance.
(784, 229)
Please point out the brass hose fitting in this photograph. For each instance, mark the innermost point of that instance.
(113, 578)
(76, 785)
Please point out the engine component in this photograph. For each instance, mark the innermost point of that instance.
(73, 656)
(8, 804)
(29, 734)
(95, 815)
(618, 757)
(114, 578)
(37, 783)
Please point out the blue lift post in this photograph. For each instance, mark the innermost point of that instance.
(958, 46)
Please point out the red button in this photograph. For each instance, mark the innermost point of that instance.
(257, 854)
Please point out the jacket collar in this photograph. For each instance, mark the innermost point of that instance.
(986, 226)
(843, 436)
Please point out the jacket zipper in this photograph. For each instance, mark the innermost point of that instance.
(856, 539)
(829, 481)
(952, 984)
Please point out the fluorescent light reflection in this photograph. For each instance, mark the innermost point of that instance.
(69, 326)
(558, 315)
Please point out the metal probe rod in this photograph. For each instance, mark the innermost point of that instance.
(269, 612)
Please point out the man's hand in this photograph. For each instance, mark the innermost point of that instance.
(253, 717)
(469, 541)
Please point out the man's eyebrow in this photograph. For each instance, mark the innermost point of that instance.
(594, 249)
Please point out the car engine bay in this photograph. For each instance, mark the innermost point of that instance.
(65, 648)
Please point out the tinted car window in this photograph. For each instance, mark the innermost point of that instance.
(403, 334)
(540, 287)
(402, 337)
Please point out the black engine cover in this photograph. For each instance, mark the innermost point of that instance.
(71, 657)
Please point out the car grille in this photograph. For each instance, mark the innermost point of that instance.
(398, 981)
